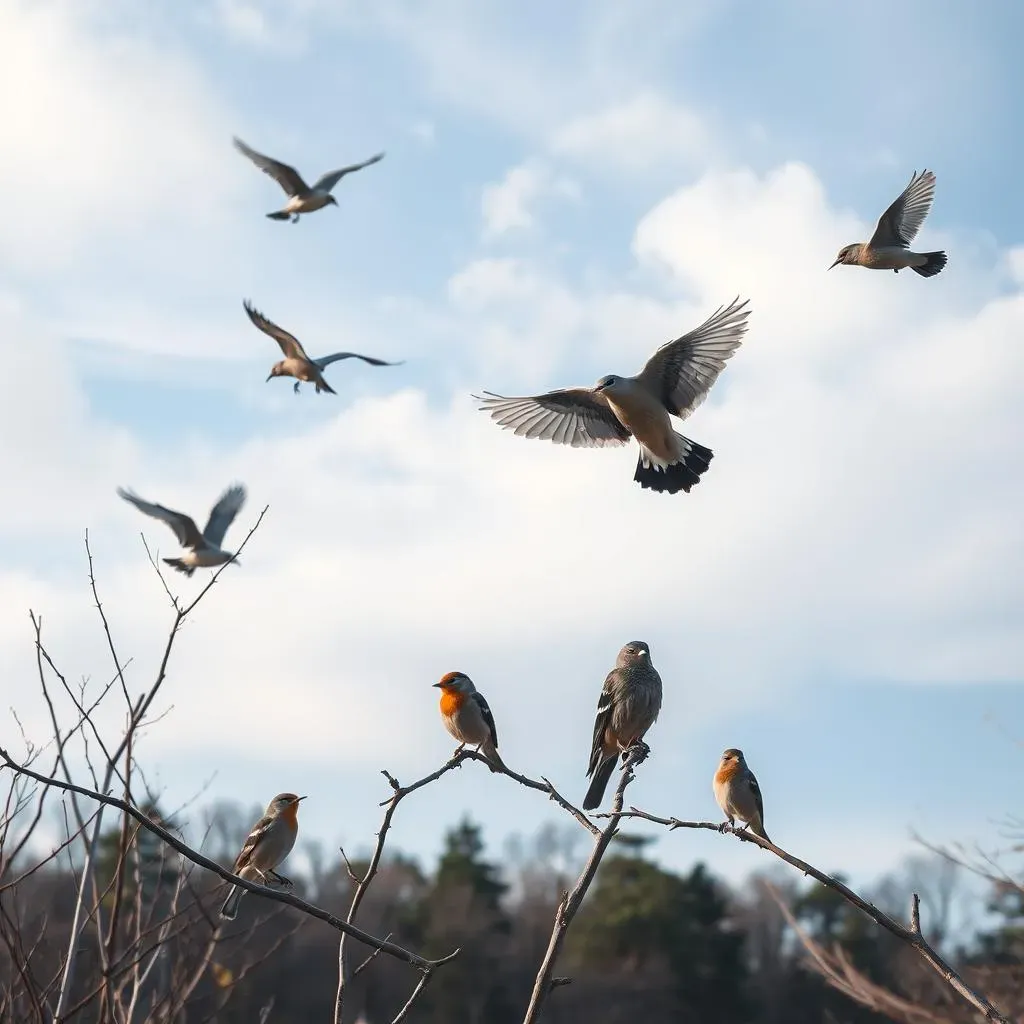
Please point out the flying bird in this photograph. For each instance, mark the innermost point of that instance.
(889, 247)
(675, 380)
(628, 706)
(302, 198)
(204, 548)
(467, 716)
(296, 363)
(267, 845)
(738, 793)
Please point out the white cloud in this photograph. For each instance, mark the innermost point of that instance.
(510, 205)
(647, 132)
(108, 134)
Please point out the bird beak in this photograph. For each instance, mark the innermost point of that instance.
(435, 684)
(837, 262)
(271, 377)
(299, 799)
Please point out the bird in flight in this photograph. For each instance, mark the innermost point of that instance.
(889, 247)
(296, 363)
(302, 198)
(675, 381)
(204, 548)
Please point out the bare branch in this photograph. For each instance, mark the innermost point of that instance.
(912, 936)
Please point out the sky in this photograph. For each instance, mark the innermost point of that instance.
(565, 188)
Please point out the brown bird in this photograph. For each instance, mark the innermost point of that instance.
(738, 793)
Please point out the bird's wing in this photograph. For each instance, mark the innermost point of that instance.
(755, 789)
(222, 514)
(325, 361)
(286, 176)
(259, 830)
(605, 706)
(902, 221)
(184, 526)
(682, 371)
(327, 181)
(485, 710)
(290, 345)
(579, 417)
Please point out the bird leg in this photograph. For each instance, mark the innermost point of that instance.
(728, 823)
(296, 389)
(280, 879)
(295, 219)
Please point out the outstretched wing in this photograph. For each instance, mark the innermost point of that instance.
(327, 181)
(290, 345)
(579, 417)
(184, 526)
(223, 514)
(902, 221)
(325, 361)
(285, 175)
(485, 710)
(681, 372)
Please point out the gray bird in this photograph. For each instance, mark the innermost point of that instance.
(675, 380)
(889, 247)
(204, 548)
(628, 707)
(302, 198)
(467, 716)
(296, 363)
(738, 793)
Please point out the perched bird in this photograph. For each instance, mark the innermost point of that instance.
(628, 707)
(301, 197)
(738, 793)
(296, 363)
(205, 550)
(675, 380)
(468, 718)
(269, 842)
(896, 229)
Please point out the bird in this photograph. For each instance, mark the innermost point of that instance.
(296, 363)
(889, 247)
(267, 845)
(467, 716)
(302, 198)
(738, 793)
(629, 705)
(204, 548)
(676, 379)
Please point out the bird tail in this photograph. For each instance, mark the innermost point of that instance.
(279, 215)
(322, 385)
(178, 564)
(230, 909)
(490, 751)
(935, 262)
(758, 829)
(599, 783)
(681, 475)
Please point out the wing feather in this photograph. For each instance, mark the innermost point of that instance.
(901, 222)
(579, 417)
(184, 526)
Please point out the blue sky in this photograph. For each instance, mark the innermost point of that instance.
(564, 189)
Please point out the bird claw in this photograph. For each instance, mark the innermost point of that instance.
(725, 825)
(296, 387)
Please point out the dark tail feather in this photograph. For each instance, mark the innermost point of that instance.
(599, 783)
(279, 215)
(936, 261)
(178, 564)
(230, 909)
(678, 477)
(322, 385)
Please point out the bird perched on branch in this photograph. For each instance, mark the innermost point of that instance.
(302, 198)
(269, 842)
(675, 381)
(889, 247)
(467, 716)
(738, 793)
(204, 548)
(629, 705)
(296, 363)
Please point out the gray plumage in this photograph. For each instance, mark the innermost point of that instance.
(738, 793)
(204, 548)
(296, 363)
(302, 198)
(889, 247)
(629, 705)
(675, 380)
